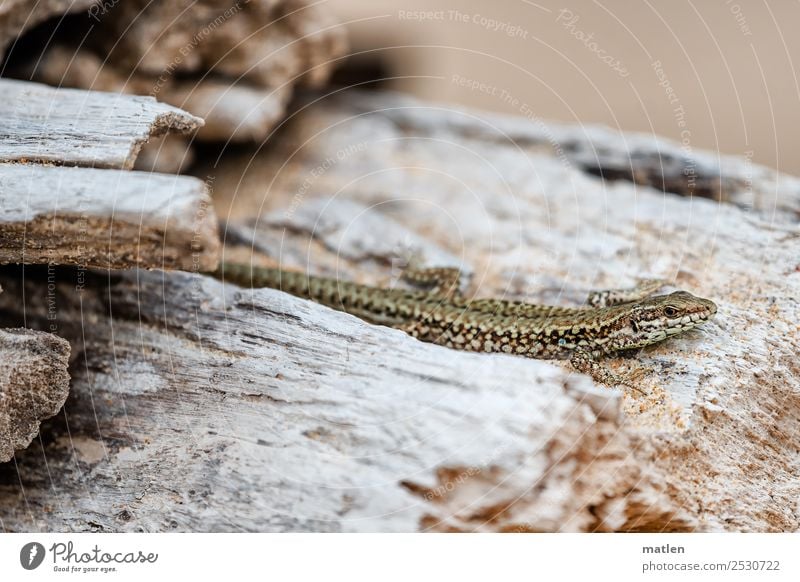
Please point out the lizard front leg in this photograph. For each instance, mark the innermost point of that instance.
(585, 362)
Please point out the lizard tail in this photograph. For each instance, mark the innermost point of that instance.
(246, 275)
(331, 292)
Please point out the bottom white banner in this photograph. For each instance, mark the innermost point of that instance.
(355, 557)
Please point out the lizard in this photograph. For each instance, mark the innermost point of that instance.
(612, 322)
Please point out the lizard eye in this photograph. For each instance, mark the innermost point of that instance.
(670, 311)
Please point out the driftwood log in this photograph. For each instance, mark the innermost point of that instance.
(232, 410)
(198, 406)
(90, 217)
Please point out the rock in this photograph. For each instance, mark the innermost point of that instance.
(34, 384)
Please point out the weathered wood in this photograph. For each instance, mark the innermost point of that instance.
(34, 384)
(596, 150)
(354, 232)
(105, 218)
(234, 113)
(84, 128)
(203, 407)
(168, 154)
(535, 224)
(236, 410)
(80, 216)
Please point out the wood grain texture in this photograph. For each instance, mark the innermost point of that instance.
(80, 216)
(82, 128)
(236, 410)
(105, 218)
(534, 224)
(241, 112)
(202, 407)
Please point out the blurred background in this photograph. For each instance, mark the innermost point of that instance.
(715, 75)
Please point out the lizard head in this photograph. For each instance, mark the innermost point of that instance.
(657, 318)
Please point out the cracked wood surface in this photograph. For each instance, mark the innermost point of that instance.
(523, 212)
(203, 407)
(240, 78)
(81, 216)
(235, 410)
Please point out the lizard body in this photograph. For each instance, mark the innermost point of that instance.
(614, 320)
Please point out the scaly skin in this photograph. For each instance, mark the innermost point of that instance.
(615, 320)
